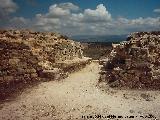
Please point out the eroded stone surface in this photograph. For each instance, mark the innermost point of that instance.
(134, 63)
(29, 56)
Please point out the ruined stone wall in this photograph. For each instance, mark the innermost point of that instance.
(27, 56)
(134, 63)
(17, 63)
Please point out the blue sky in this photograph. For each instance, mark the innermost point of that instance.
(80, 17)
(126, 8)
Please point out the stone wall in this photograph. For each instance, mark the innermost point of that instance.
(134, 63)
(28, 56)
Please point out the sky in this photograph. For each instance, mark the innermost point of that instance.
(81, 17)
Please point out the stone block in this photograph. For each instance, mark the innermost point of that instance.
(14, 61)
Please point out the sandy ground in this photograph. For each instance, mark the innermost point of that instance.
(78, 97)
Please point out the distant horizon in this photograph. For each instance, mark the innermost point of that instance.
(100, 38)
(90, 38)
(21, 29)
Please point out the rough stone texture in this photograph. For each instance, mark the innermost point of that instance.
(29, 56)
(134, 63)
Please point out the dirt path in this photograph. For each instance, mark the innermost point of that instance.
(78, 96)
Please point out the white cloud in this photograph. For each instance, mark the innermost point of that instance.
(8, 6)
(138, 24)
(68, 6)
(140, 21)
(61, 10)
(100, 14)
(65, 18)
(19, 22)
(69, 19)
(56, 11)
(156, 10)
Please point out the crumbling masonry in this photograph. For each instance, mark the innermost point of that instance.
(134, 63)
(27, 56)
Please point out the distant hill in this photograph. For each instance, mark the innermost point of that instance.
(96, 38)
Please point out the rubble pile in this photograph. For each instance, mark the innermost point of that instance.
(28, 56)
(134, 63)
